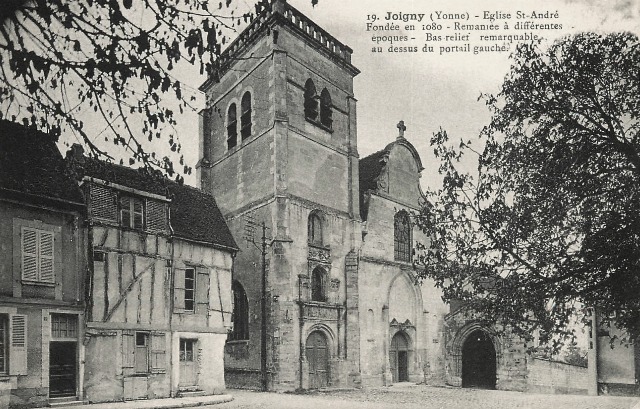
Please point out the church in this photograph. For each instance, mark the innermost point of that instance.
(324, 288)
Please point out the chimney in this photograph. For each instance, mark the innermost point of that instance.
(76, 153)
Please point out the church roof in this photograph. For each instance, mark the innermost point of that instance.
(370, 169)
(194, 214)
(372, 166)
(32, 168)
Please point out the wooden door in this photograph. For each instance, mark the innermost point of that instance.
(188, 363)
(399, 358)
(403, 373)
(62, 369)
(318, 359)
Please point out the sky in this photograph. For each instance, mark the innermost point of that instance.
(427, 90)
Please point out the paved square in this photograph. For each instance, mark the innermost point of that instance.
(410, 396)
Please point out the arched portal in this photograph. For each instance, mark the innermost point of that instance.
(478, 361)
(318, 359)
(399, 357)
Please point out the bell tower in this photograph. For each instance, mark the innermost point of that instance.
(278, 146)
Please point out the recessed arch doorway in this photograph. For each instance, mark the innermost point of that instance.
(399, 357)
(478, 361)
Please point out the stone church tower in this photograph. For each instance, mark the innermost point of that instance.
(279, 151)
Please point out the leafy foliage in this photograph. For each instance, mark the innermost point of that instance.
(62, 59)
(551, 221)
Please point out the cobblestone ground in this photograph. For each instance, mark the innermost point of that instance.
(408, 396)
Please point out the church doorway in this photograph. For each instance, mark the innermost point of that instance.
(478, 361)
(318, 359)
(399, 357)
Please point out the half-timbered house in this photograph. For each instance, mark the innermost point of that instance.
(159, 288)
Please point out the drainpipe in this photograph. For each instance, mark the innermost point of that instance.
(263, 307)
(170, 265)
(301, 324)
(592, 357)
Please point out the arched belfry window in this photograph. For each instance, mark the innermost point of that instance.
(402, 236)
(319, 285)
(310, 101)
(232, 126)
(245, 116)
(240, 315)
(326, 117)
(315, 229)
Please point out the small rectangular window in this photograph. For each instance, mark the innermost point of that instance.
(187, 348)
(99, 256)
(189, 289)
(64, 326)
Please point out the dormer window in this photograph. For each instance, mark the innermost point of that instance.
(131, 212)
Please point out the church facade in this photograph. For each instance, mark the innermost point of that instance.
(325, 291)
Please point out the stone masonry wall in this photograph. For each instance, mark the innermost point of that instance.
(556, 377)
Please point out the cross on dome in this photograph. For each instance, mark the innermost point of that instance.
(401, 129)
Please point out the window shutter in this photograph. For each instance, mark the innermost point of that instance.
(128, 349)
(202, 291)
(178, 293)
(18, 345)
(156, 215)
(46, 257)
(158, 352)
(103, 203)
(29, 254)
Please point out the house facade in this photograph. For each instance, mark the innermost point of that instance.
(42, 272)
(159, 286)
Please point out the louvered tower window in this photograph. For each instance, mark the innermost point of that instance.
(232, 126)
(245, 117)
(326, 115)
(310, 101)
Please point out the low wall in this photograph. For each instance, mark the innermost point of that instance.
(237, 378)
(556, 377)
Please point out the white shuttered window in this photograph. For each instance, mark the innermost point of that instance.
(37, 255)
(18, 345)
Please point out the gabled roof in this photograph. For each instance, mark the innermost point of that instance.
(372, 166)
(32, 168)
(194, 214)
